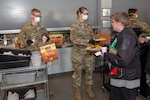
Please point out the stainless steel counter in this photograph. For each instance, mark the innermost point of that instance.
(63, 64)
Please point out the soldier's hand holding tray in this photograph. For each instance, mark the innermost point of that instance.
(93, 48)
(92, 41)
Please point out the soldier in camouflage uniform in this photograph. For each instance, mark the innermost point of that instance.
(81, 35)
(32, 33)
(135, 23)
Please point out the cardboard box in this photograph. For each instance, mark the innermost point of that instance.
(57, 39)
(48, 52)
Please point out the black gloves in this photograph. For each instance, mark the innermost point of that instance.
(29, 42)
(91, 41)
(138, 31)
(47, 39)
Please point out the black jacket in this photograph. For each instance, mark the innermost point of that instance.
(128, 55)
(147, 62)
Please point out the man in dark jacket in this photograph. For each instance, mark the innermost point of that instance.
(124, 59)
(146, 42)
(147, 67)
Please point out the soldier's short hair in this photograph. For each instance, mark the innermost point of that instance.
(132, 11)
(35, 10)
(81, 9)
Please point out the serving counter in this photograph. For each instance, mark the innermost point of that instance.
(63, 64)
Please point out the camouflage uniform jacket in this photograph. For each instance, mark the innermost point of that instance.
(135, 23)
(80, 33)
(31, 32)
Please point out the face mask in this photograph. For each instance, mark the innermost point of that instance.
(37, 19)
(85, 17)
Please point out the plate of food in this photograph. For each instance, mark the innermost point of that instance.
(93, 48)
(99, 39)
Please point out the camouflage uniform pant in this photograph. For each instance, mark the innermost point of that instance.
(81, 62)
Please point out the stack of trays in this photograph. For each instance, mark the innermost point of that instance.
(14, 58)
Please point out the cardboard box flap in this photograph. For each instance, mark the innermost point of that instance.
(48, 52)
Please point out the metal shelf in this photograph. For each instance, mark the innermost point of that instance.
(20, 69)
(41, 95)
(38, 79)
(9, 86)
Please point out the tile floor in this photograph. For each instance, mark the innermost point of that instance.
(61, 85)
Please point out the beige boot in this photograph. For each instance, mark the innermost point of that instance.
(89, 91)
(77, 94)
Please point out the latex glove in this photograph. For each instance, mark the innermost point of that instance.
(91, 41)
(45, 38)
(29, 42)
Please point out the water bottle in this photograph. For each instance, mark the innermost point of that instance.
(5, 40)
(114, 44)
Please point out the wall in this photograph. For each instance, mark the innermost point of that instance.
(55, 13)
(105, 4)
(62, 13)
(123, 5)
(142, 6)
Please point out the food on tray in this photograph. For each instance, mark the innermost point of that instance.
(93, 47)
(101, 39)
(98, 37)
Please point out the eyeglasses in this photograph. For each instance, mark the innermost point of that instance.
(36, 15)
(85, 13)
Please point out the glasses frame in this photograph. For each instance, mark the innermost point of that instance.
(36, 15)
(85, 14)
